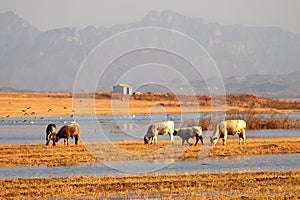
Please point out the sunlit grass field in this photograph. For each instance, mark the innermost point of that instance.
(248, 185)
(40, 154)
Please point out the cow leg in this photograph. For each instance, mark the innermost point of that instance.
(182, 141)
(225, 137)
(171, 138)
(66, 141)
(53, 139)
(53, 142)
(154, 139)
(187, 140)
(76, 140)
(197, 139)
(242, 137)
(201, 138)
(48, 138)
(151, 140)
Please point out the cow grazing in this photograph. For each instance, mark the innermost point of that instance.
(190, 132)
(50, 133)
(68, 131)
(229, 127)
(159, 128)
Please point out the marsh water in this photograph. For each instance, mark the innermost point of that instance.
(27, 130)
(251, 163)
(31, 130)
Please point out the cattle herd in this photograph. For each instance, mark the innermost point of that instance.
(222, 130)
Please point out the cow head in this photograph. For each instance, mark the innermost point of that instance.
(57, 138)
(213, 140)
(175, 132)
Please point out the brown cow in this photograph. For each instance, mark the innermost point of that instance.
(68, 131)
(50, 133)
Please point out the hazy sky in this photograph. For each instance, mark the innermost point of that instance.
(49, 14)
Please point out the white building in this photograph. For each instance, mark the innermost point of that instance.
(122, 89)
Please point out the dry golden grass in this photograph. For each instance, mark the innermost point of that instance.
(39, 154)
(60, 104)
(255, 185)
(256, 146)
(35, 104)
(136, 150)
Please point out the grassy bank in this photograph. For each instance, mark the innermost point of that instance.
(40, 154)
(255, 185)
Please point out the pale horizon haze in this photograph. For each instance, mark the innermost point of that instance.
(47, 15)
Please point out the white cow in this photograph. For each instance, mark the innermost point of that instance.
(229, 127)
(190, 132)
(159, 128)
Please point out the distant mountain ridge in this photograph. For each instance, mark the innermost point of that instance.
(283, 85)
(48, 61)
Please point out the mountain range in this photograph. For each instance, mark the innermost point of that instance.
(259, 60)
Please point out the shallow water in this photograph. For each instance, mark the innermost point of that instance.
(253, 163)
(35, 134)
(21, 130)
